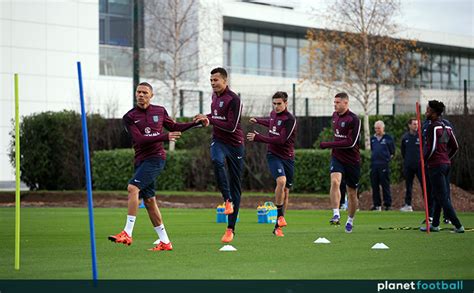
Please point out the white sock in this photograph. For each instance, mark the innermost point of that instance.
(335, 212)
(160, 230)
(350, 220)
(129, 225)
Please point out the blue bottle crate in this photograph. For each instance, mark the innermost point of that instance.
(267, 214)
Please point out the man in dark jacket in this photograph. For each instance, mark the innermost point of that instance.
(383, 149)
(410, 149)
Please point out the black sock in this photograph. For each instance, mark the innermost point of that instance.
(279, 213)
(279, 210)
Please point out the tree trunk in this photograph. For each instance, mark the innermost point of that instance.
(366, 130)
(174, 93)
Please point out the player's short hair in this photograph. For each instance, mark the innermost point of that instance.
(410, 121)
(220, 70)
(144, 83)
(379, 122)
(342, 95)
(280, 95)
(437, 106)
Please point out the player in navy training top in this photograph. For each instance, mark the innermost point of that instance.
(227, 146)
(410, 148)
(382, 151)
(145, 125)
(281, 152)
(441, 146)
(345, 158)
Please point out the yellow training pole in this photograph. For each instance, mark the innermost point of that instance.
(17, 165)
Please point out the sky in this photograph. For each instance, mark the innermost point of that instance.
(447, 16)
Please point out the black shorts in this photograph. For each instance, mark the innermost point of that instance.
(280, 167)
(351, 173)
(145, 176)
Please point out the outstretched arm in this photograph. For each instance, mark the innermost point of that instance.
(172, 125)
(138, 137)
(265, 121)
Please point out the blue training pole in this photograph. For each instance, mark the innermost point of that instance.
(88, 173)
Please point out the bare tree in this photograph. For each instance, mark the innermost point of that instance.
(173, 55)
(359, 52)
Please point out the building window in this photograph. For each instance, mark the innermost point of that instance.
(259, 52)
(237, 51)
(116, 22)
(251, 53)
(265, 47)
(278, 61)
(273, 53)
(291, 57)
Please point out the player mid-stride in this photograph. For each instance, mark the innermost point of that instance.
(145, 125)
(345, 158)
(281, 152)
(227, 146)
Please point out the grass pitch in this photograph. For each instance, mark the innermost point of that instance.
(55, 245)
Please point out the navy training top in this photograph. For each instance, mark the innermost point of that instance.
(381, 150)
(410, 148)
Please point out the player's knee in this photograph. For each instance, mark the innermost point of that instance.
(149, 202)
(335, 182)
(281, 181)
(132, 190)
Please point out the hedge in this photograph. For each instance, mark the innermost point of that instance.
(51, 157)
(51, 147)
(112, 169)
(189, 169)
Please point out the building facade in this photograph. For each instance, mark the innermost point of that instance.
(259, 42)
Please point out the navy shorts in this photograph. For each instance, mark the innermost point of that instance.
(145, 176)
(351, 173)
(280, 167)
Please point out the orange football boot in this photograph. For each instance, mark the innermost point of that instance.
(229, 208)
(121, 237)
(278, 232)
(228, 236)
(281, 221)
(162, 246)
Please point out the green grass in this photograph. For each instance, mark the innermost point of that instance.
(124, 193)
(55, 245)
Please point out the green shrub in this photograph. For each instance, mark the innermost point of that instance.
(51, 147)
(325, 135)
(51, 151)
(113, 169)
(187, 169)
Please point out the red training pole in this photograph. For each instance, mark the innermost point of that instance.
(423, 176)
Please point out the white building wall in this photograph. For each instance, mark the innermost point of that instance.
(42, 40)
